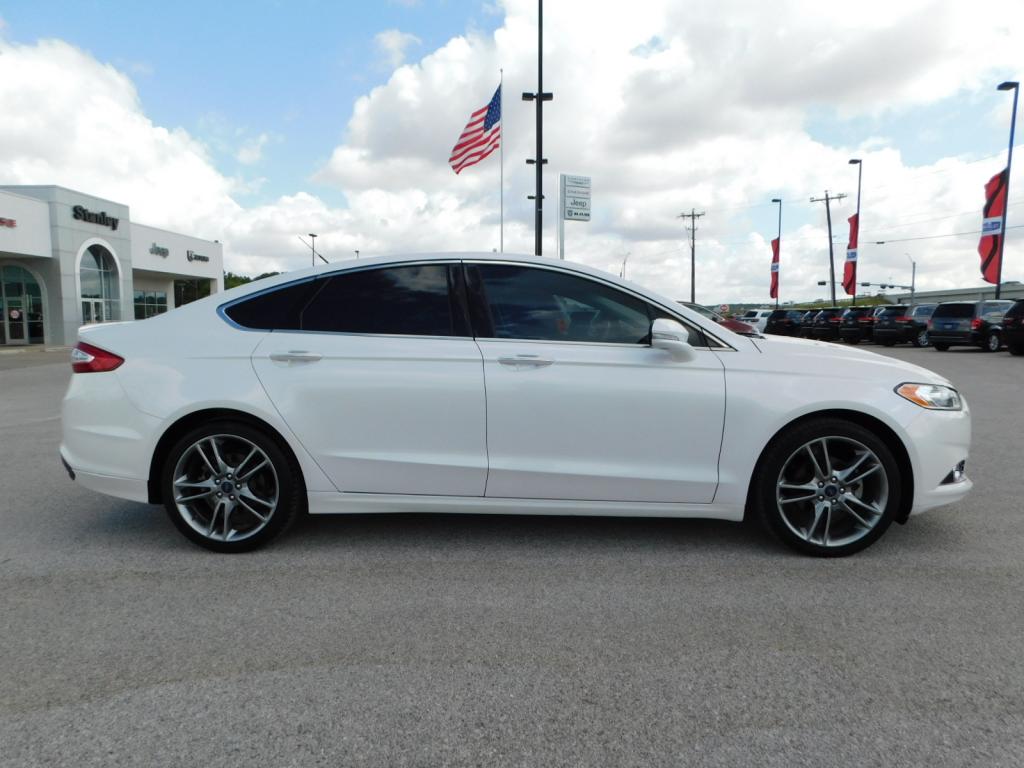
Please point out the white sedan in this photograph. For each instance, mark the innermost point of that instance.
(494, 384)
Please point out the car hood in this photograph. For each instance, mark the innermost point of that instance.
(819, 357)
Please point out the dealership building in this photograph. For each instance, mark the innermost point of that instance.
(69, 259)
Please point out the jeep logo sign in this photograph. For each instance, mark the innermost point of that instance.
(193, 256)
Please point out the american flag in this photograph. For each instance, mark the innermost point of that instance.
(480, 137)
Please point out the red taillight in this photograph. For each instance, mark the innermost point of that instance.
(834, 319)
(931, 324)
(902, 319)
(976, 323)
(85, 358)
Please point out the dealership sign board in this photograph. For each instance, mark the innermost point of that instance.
(575, 197)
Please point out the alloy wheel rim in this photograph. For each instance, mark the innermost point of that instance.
(922, 338)
(832, 491)
(993, 342)
(225, 487)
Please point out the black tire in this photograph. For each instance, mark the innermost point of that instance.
(939, 347)
(887, 343)
(1016, 349)
(993, 342)
(784, 447)
(290, 489)
(921, 339)
(853, 341)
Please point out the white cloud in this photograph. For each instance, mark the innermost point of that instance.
(666, 108)
(251, 150)
(392, 44)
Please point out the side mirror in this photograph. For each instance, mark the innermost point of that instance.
(672, 336)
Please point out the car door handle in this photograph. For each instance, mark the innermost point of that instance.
(525, 361)
(295, 356)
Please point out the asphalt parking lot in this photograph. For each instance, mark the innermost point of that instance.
(470, 640)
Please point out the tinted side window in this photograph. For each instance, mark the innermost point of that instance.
(277, 309)
(1017, 310)
(542, 304)
(410, 300)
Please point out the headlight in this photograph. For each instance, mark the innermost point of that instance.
(933, 396)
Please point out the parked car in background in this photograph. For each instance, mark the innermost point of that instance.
(756, 317)
(807, 323)
(736, 326)
(784, 322)
(1013, 328)
(826, 324)
(899, 324)
(851, 324)
(968, 324)
(487, 383)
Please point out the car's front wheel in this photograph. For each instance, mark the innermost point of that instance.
(827, 487)
(229, 487)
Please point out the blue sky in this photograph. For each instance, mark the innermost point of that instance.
(291, 69)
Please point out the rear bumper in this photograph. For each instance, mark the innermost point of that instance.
(851, 334)
(895, 334)
(107, 442)
(955, 339)
(129, 488)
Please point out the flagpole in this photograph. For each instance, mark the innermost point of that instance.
(501, 156)
(1006, 192)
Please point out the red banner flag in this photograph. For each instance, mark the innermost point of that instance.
(774, 290)
(990, 246)
(850, 268)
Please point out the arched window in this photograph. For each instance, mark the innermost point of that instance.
(101, 297)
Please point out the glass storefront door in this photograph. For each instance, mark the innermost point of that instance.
(21, 305)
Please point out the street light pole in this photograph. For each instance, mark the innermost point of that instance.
(312, 247)
(540, 97)
(913, 277)
(1015, 87)
(624, 260)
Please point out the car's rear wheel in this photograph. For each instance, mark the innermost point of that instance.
(229, 487)
(921, 340)
(941, 347)
(827, 487)
(853, 340)
(887, 343)
(993, 342)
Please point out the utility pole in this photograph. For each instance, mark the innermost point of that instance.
(312, 247)
(692, 216)
(831, 253)
(539, 97)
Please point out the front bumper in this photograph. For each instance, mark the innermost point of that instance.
(939, 440)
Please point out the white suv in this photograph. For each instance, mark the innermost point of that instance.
(756, 317)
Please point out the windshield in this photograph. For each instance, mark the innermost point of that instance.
(892, 311)
(958, 310)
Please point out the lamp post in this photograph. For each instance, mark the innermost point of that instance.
(1009, 85)
(357, 254)
(625, 258)
(913, 277)
(312, 246)
(913, 274)
(776, 266)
